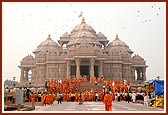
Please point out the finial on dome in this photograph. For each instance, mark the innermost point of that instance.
(116, 35)
(49, 36)
(83, 19)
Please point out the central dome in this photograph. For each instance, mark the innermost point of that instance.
(83, 26)
(83, 32)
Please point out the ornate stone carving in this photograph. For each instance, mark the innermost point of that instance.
(112, 60)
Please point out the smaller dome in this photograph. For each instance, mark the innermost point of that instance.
(138, 60)
(47, 44)
(118, 42)
(29, 57)
(137, 57)
(65, 35)
(100, 35)
(49, 41)
(28, 60)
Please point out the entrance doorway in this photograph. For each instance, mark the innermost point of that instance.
(73, 70)
(84, 70)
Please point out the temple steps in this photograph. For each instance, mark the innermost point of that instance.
(88, 86)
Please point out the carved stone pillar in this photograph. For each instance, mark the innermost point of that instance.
(33, 77)
(138, 74)
(77, 67)
(132, 74)
(68, 68)
(22, 78)
(101, 68)
(144, 73)
(26, 75)
(61, 44)
(92, 67)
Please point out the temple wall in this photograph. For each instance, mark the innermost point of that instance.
(126, 72)
(55, 71)
(33, 78)
(107, 70)
(117, 71)
(112, 71)
(41, 75)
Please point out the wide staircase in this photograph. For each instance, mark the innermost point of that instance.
(88, 86)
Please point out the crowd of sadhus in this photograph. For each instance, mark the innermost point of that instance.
(69, 85)
(85, 96)
(69, 92)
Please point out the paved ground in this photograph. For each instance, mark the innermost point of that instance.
(96, 106)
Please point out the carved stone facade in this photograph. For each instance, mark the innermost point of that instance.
(86, 53)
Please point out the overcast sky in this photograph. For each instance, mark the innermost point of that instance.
(140, 25)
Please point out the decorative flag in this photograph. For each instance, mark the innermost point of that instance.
(80, 15)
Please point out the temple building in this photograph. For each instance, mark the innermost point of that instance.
(86, 53)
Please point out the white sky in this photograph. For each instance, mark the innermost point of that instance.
(142, 26)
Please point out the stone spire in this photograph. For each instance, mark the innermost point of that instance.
(83, 20)
(116, 37)
(49, 36)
